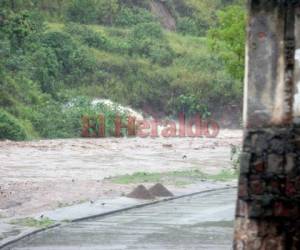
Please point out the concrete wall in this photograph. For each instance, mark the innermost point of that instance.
(296, 108)
(268, 205)
(269, 87)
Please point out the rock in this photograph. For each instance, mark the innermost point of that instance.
(160, 191)
(140, 192)
(259, 144)
(245, 162)
(290, 163)
(277, 146)
(275, 164)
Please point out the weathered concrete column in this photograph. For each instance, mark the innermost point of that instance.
(268, 205)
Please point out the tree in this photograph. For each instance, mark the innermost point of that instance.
(228, 39)
(19, 26)
(16, 5)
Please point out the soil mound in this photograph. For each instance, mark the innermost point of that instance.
(160, 190)
(140, 192)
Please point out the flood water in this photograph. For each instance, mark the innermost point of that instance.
(40, 175)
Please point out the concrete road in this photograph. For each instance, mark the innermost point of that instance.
(199, 222)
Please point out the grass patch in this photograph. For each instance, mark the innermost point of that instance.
(66, 204)
(224, 175)
(177, 178)
(55, 26)
(32, 222)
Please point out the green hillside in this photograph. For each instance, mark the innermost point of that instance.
(54, 53)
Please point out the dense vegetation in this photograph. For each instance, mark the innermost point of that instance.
(56, 56)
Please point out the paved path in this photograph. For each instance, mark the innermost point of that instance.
(199, 222)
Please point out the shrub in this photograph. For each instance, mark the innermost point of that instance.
(161, 54)
(63, 47)
(121, 47)
(94, 39)
(10, 127)
(136, 3)
(148, 30)
(65, 119)
(148, 40)
(88, 36)
(21, 26)
(75, 62)
(133, 16)
(142, 47)
(46, 70)
(93, 11)
(190, 105)
(82, 11)
(187, 25)
(108, 11)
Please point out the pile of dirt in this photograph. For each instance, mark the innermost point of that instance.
(140, 192)
(160, 190)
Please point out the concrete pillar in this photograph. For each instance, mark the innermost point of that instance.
(268, 205)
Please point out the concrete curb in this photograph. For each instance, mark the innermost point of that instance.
(27, 235)
(40, 230)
